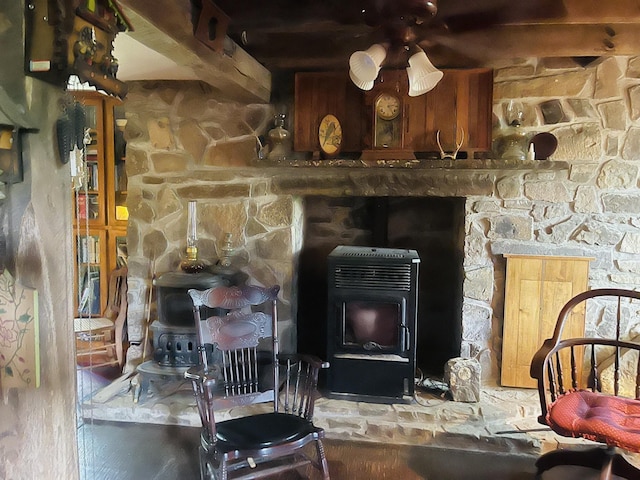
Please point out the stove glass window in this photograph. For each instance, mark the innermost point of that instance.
(372, 325)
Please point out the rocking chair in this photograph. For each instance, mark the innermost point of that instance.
(241, 366)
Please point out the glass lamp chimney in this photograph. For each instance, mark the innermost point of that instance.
(191, 264)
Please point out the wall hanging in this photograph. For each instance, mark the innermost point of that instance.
(74, 37)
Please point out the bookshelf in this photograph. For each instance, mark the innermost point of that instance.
(99, 203)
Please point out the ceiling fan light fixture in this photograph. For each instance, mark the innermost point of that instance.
(365, 64)
(362, 85)
(423, 75)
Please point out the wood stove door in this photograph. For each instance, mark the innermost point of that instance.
(371, 326)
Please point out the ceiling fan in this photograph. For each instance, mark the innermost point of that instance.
(435, 25)
(322, 34)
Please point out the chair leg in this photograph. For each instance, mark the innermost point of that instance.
(223, 472)
(204, 467)
(322, 459)
(605, 473)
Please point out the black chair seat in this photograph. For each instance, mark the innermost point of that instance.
(261, 431)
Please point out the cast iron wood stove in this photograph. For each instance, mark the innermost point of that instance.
(174, 332)
(372, 323)
(175, 340)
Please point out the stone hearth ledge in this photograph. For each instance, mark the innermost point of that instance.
(426, 164)
(503, 421)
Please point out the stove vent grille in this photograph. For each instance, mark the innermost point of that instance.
(373, 276)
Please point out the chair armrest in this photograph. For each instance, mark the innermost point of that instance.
(536, 370)
(312, 360)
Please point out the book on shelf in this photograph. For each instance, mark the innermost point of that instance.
(89, 292)
(88, 206)
(92, 176)
(81, 204)
(88, 249)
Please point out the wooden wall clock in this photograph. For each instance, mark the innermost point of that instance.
(387, 110)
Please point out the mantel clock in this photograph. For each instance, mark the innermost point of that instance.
(387, 110)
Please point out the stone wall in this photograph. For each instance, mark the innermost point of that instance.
(185, 145)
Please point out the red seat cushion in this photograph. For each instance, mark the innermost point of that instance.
(599, 417)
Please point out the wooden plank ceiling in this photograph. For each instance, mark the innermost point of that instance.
(322, 34)
(316, 35)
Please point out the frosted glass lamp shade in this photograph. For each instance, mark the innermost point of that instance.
(362, 85)
(423, 76)
(365, 64)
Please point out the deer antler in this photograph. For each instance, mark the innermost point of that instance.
(453, 155)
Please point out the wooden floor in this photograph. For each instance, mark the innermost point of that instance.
(131, 451)
(127, 451)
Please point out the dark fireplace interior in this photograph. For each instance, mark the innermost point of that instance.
(433, 226)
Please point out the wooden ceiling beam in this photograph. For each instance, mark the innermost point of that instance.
(165, 27)
(546, 40)
(295, 35)
(475, 48)
(597, 11)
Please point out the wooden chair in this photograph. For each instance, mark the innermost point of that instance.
(99, 340)
(590, 387)
(241, 365)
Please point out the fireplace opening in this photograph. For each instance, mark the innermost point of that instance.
(432, 226)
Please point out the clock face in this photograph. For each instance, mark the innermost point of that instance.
(387, 106)
(330, 135)
(387, 128)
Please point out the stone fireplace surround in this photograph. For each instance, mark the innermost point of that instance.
(277, 210)
(184, 144)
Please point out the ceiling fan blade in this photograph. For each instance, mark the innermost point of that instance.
(462, 15)
(451, 55)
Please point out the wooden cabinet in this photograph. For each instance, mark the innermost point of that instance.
(99, 204)
(460, 107)
(536, 289)
(461, 102)
(321, 93)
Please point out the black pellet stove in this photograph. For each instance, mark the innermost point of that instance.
(372, 323)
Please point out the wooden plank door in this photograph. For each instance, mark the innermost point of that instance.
(536, 289)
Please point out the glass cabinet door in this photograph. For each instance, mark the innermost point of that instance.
(91, 276)
(118, 255)
(89, 195)
(116, 169)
